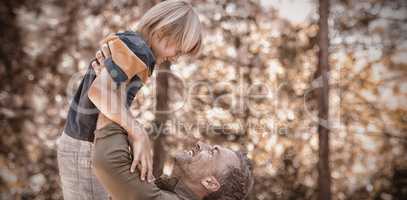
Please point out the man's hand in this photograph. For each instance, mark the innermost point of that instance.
(142, 155)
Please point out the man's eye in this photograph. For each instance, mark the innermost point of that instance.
(216, 149)
(213, 151)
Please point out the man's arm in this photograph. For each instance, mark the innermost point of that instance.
(111, 164)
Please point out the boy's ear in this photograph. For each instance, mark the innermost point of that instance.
(211, 184)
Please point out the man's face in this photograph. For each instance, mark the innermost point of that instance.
(204, 160)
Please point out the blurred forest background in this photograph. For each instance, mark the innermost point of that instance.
(252, 88)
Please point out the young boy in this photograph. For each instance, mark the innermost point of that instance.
(166, 31)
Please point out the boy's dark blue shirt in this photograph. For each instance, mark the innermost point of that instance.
(83, 114)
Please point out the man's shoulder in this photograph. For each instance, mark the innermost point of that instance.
(168, 195)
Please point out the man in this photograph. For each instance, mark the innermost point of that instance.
(204, 172)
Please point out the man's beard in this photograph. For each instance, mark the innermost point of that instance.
(180, 171)
(166, 182)
(181, 163)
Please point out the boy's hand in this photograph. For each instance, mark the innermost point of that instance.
(101, 55)
(142, 155)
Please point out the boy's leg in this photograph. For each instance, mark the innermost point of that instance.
(77, 179)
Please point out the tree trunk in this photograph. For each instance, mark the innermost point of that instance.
(161, 105)
(160, 118)
(324, 174)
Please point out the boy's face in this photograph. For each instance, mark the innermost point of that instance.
(164, 49)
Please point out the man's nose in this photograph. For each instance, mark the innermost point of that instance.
(203, 146)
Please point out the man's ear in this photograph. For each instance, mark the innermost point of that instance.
(211, 183)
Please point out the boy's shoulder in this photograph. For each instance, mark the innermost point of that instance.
(136, 43)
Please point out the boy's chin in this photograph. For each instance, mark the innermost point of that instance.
(159, 61)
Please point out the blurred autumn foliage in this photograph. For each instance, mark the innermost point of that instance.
(251, 88)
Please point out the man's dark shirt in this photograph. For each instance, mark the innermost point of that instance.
(83, 114)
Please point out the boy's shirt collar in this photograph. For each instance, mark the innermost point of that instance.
(131, 54)
(136, 42)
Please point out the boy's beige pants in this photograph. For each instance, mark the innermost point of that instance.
(77, 179)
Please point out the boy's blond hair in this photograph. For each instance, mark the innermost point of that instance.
(176, 19)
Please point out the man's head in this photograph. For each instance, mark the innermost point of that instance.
(214, 171)
(171, 28)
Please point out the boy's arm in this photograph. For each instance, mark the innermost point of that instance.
(120, 61)
(110, 100)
